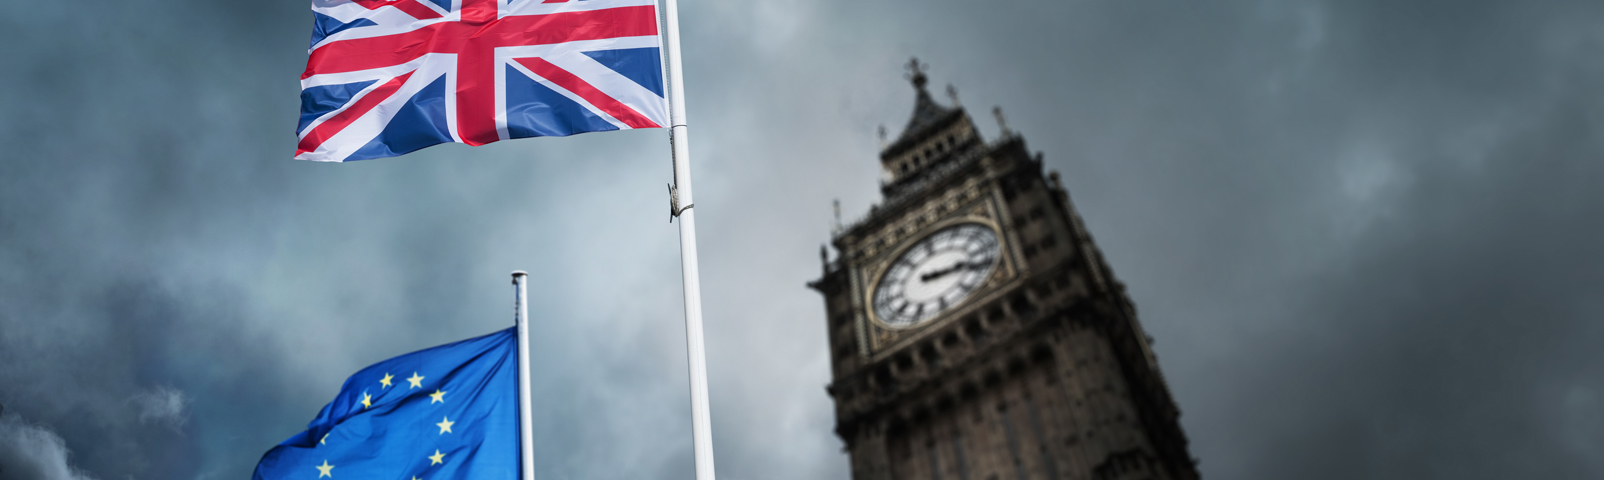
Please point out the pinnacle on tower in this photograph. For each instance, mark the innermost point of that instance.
(916, 73)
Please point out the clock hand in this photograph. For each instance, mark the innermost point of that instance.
(938, 273)
(955, 267)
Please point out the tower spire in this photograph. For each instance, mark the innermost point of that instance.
(926, 111)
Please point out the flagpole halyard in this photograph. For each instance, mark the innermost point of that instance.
(526, 422)
(701, 421)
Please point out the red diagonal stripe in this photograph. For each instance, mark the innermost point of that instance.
(455, 37)
(585, 90)
(340, 120)
(411, 7)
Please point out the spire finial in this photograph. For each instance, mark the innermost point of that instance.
(882, 132)
(916, 73)
(952, 92)
(1002, 123)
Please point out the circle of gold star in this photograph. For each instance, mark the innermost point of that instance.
(324, 470)
(416, 380)
(437, 458)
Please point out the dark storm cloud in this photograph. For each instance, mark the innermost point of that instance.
(32, 452)
(115, 374)
(1467, 329)
(1364, 233)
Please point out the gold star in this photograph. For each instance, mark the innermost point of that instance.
(324, 441)
(445, 425)
(367, 401)
(386, 380)
(437, 397)
(417, 380)
(437, 458)
(323, 470)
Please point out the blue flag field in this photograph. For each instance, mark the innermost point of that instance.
(448, 412)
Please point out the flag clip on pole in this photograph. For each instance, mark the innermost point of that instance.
(526, 422)
(701, 422)
(674, 210)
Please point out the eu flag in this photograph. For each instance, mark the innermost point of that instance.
(448, 412)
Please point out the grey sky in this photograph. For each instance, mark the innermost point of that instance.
(1365, 233)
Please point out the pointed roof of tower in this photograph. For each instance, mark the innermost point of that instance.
(927, 114)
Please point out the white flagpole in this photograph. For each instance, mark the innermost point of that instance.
(526, 423)
(681, 203)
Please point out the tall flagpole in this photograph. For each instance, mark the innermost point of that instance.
(681, 205)
(526, 423)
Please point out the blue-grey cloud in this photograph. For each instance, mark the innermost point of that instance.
(33, 452)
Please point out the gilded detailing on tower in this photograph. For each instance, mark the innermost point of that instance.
(1011, 352)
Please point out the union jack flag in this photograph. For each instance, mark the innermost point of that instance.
(388, 77)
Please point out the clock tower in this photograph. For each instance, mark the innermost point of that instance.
(976, 332)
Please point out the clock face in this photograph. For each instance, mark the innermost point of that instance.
(935, 274)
